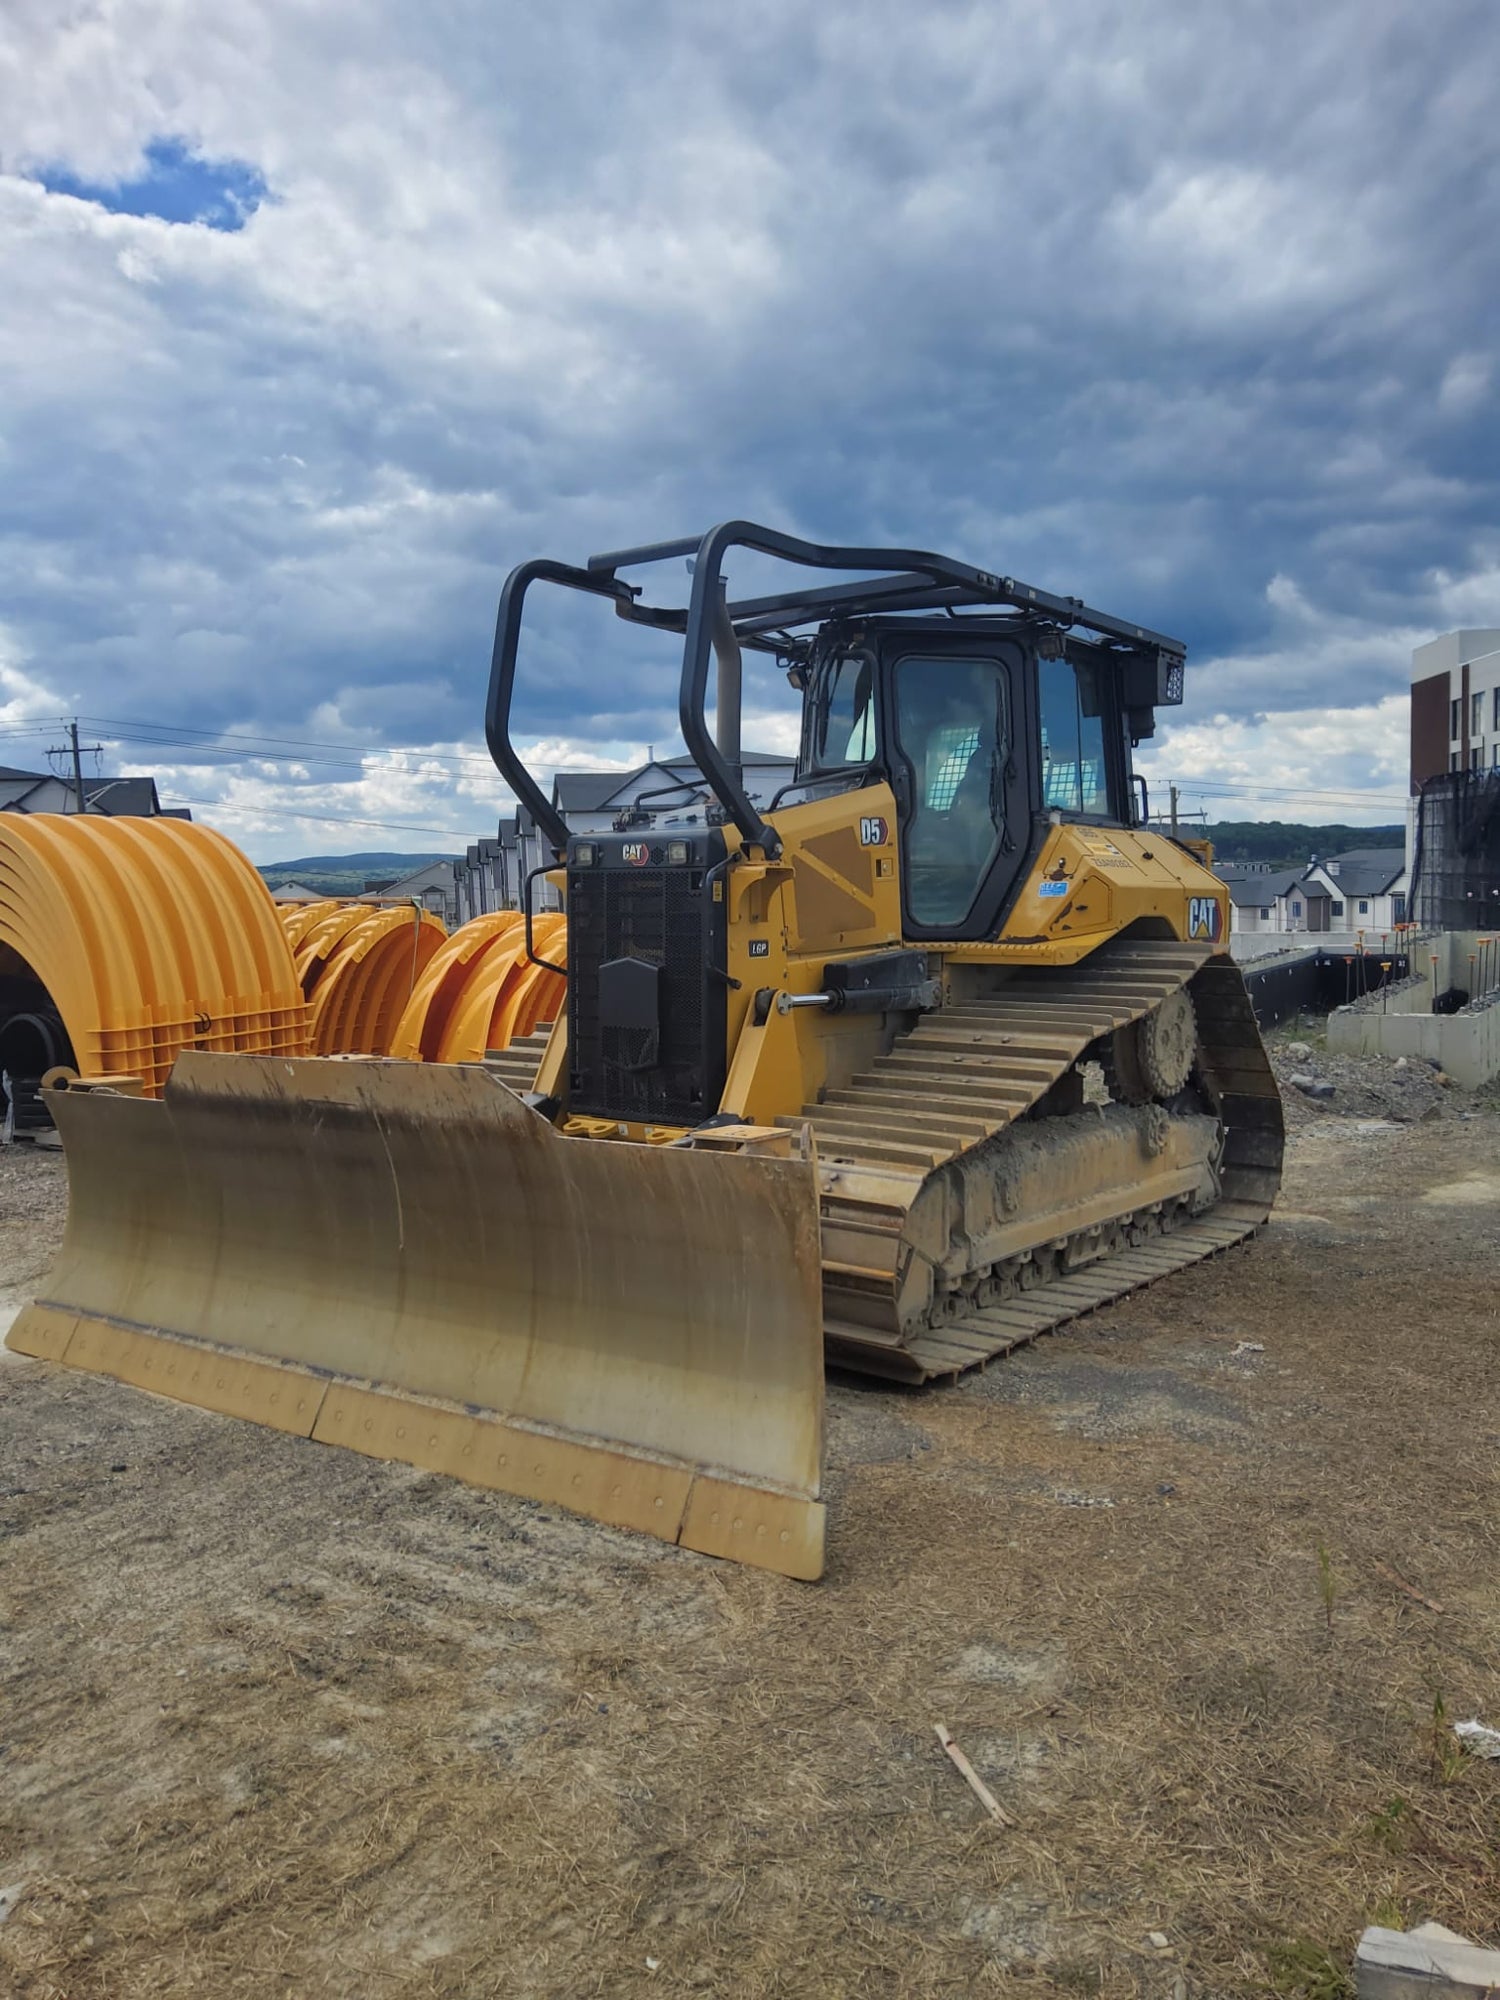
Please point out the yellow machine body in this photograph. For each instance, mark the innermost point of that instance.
(830, 895)
(460, 1252)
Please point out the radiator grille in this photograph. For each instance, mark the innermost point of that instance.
(660, 916)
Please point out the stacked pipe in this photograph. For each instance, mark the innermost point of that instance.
(383, 980)
(481, 991)
(359, 966)
(125, 941)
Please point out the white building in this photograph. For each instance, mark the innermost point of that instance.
(1366, 889)
(118, 798)
(1331, 901)
(1267, 899)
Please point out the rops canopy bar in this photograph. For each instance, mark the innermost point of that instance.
(902, 580)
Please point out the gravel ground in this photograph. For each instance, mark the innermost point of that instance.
(1198, 1584)
(1367, 1086)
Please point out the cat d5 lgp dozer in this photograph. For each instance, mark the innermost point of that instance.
(818, 1085)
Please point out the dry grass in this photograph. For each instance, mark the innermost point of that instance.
(276, 1720)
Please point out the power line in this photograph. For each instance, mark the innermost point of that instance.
(241, 746)
(183, 736)
(1291, 795)
(225, 808)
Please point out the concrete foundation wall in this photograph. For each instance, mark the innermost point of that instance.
(1407, 998)
(1467, 1046)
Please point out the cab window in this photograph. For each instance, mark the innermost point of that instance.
(842, 717)
(1074, 778)
(954, 732)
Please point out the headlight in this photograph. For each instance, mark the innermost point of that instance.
(585, 854)
(677, 853)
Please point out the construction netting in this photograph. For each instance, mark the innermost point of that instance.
(1456, 858)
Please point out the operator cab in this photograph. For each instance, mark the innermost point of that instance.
(988, 707)
(983, 728)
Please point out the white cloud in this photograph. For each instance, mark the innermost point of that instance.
(1294, 764)
(1130, 303)
(23, 699)
(1465, 385)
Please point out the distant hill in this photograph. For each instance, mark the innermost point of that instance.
(1287, 843)
(351, 864)
(344, 874)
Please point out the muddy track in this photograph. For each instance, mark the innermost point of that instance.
(959, 1092)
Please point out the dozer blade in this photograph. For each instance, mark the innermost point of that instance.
(406, 1259)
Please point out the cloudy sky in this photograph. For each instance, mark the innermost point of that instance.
(316, 318)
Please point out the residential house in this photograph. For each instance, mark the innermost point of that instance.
(45, 792)
(1262, 899)
(1366, 889)
(435, 886)
(1363, 890)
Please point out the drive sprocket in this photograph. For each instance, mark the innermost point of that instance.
(1150, 1060)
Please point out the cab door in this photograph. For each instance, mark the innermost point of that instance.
(959, 772)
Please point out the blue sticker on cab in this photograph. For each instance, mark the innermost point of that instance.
(1052, 888)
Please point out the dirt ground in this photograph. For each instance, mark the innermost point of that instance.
(1199, 1585)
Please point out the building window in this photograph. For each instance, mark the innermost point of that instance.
(1476, 756)
(1296, 909)
(1335, 909)
(1453, 720)
(1452, 760)
(1495, 756)
(1398, 909)
(1497, 708)
(1364, 907)
(1265, 913)
(1476, 713)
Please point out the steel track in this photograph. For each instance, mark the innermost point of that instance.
(966, 1074)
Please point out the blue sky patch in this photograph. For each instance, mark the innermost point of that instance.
(176, 186)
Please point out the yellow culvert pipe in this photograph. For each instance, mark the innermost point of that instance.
(481, 991)
(359, 965)
(149, 936)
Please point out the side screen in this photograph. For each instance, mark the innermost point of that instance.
(1074, 778)
(841, 715)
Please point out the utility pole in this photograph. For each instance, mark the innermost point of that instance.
(78, 766)
(1172, 789)
(72, 746)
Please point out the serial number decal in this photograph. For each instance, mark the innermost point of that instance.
(873, 831)
(1203, 917)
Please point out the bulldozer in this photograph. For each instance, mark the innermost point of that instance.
(933, 1050)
